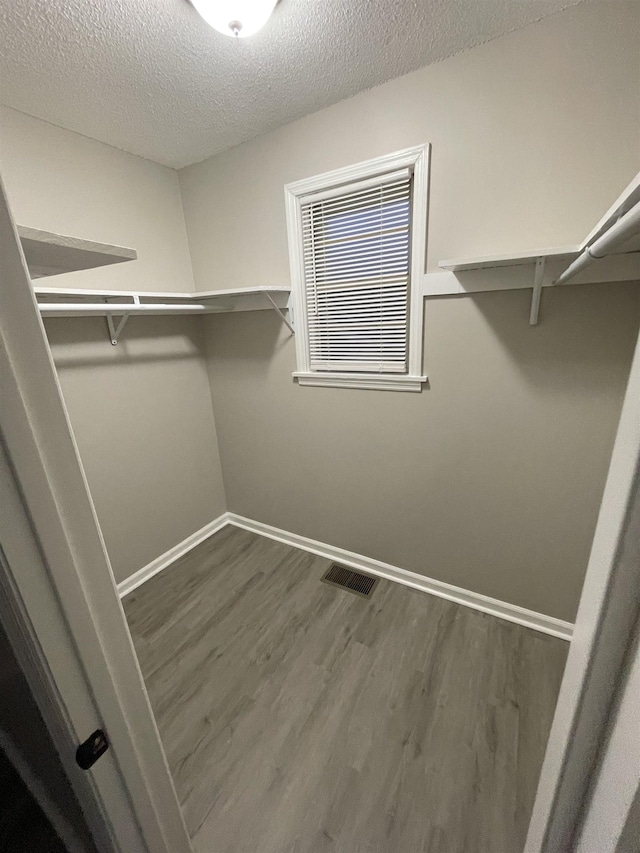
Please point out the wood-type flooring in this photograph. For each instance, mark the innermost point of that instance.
(300, 718)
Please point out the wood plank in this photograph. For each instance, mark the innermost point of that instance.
(299, 718)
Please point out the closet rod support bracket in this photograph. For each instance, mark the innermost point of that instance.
(537, 291)
(280, 314)
(116, 331)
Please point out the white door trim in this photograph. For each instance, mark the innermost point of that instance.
(611, 822)
(603, 630)
(19, 547)
(95, 670)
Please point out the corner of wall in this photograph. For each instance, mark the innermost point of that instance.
(187, 236)
(204, 327)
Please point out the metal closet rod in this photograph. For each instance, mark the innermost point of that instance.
(622, 230)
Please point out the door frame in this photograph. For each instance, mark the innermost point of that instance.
(611, 822)
(604, 630)
(19, 548)
(68, 626)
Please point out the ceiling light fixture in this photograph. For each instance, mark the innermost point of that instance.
(236, 18)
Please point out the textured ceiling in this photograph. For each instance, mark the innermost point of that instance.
(150, 77)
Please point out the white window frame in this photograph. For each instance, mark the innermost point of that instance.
(416, 159)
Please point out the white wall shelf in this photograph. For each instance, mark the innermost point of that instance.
(50, 254)
(580, 264)
(231, 299)
(564, 254)
(112, 304)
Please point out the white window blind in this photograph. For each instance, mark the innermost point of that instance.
(356, 253)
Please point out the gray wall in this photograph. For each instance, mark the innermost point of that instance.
(60, 181)
(491, 479)
(533, 135)
(142, 416)
(141, 412)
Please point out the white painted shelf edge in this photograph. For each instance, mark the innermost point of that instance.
(45, 294)
(491, 261)
(48, 253)
(490, 272)
(72, 302)
(627, 199)
(562, 254)
(614, 243)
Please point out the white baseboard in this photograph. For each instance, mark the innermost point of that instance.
(493, 606)
(170, 556)
(501, 609)
(62, 827)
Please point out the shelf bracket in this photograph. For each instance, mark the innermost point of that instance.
(116, 331)
(280, 314)
(537, 291)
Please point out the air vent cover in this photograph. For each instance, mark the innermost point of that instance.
(350, 580)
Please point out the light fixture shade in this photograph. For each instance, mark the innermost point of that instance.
(236, 18)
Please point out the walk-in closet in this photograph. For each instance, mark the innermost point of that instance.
(319, 420)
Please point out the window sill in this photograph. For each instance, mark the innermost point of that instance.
(370, 381)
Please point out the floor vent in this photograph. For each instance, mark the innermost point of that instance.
(348, 579)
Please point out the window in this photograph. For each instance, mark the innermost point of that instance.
(357, 247)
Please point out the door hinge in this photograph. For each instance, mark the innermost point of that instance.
(90, 751)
